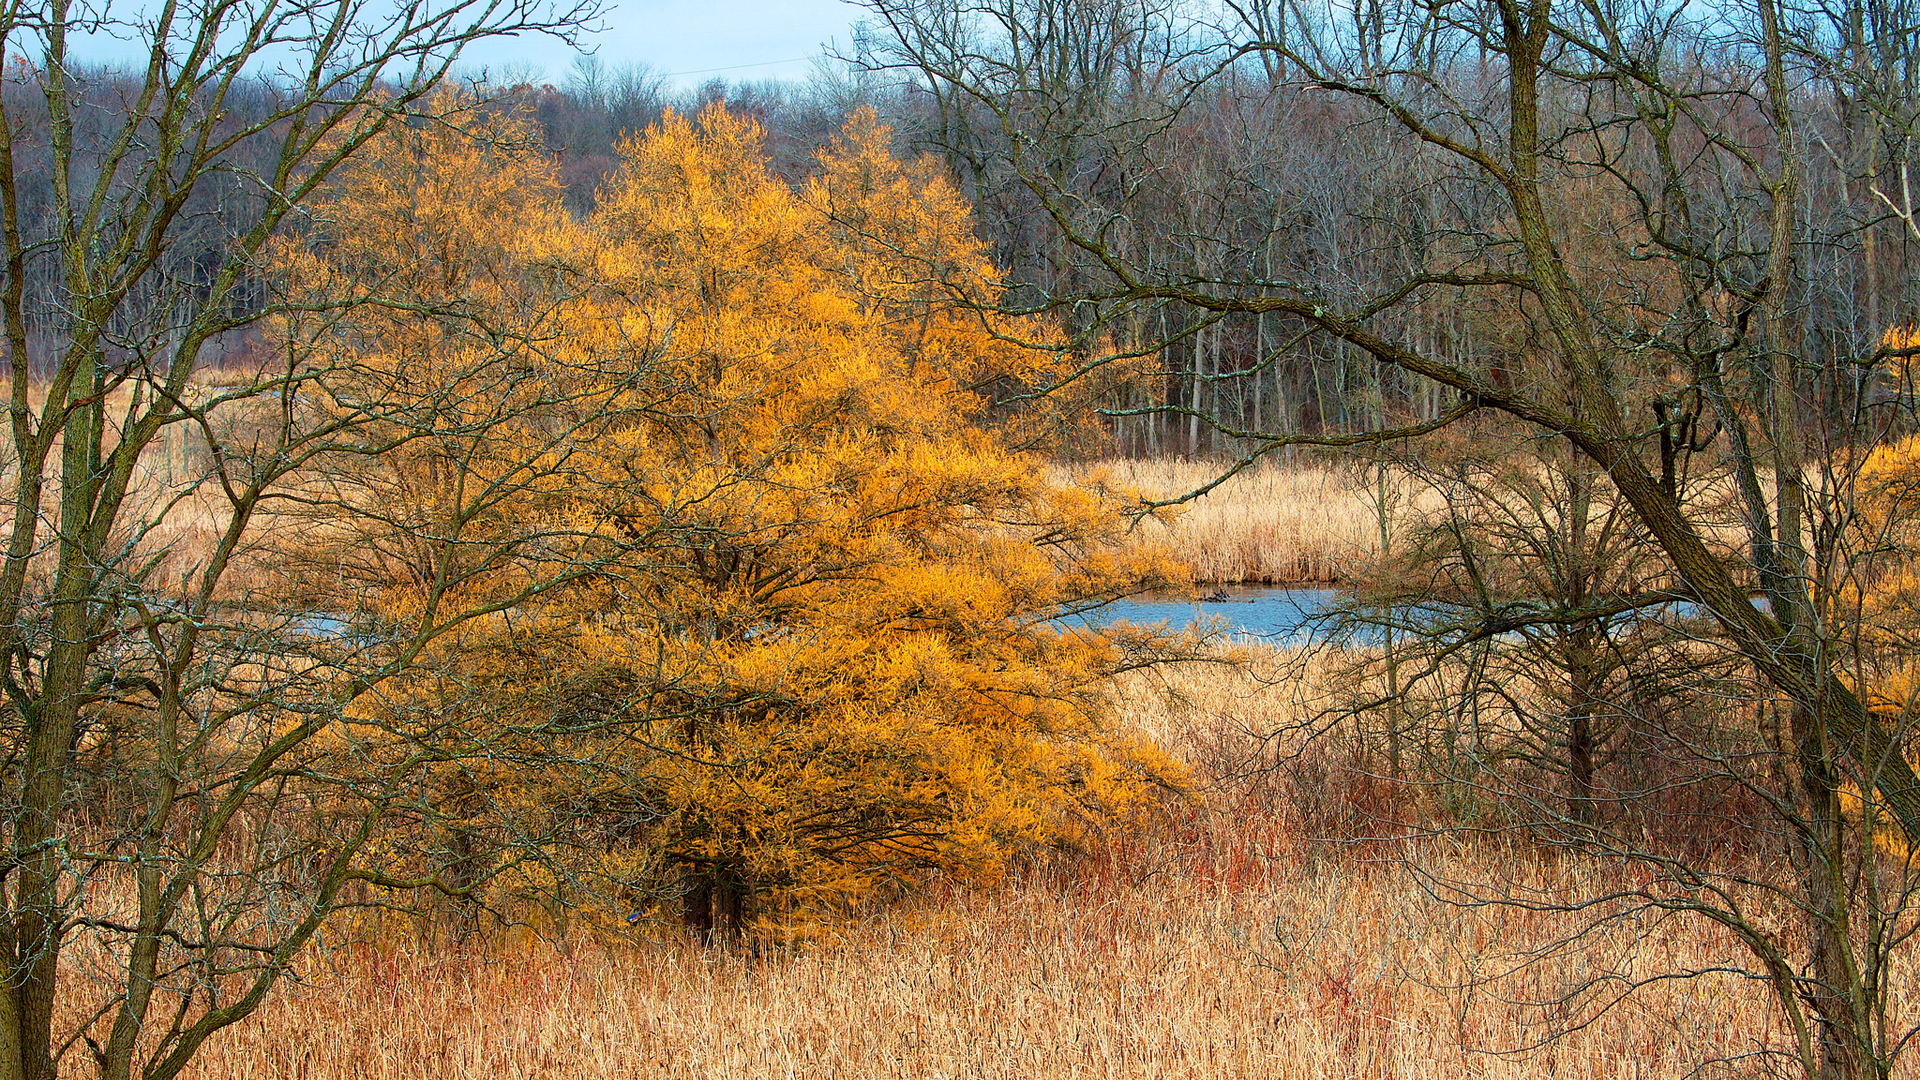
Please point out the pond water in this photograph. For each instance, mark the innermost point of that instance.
(1297, 616)
(1279, 616)
(1287, 616)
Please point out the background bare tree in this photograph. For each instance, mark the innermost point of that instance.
(164, 699)
(1600, 222)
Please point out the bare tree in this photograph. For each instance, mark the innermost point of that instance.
(1627, 215)
(161, 705)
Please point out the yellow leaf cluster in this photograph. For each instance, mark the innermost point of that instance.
(1882, 602)
(810, 648)
(435, 318)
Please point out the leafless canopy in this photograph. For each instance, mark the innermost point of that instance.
(1671, 238)
(169, 707)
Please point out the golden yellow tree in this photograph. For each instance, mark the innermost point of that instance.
(436, 280)
(840, 622)
(812, 647)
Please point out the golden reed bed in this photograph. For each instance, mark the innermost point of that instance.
(1226, 941)
(1222, 942)
(1275, 524)
(1240, 958)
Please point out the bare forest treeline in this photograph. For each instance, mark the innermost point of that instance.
(1209, 160)
(1260, 178)
(1205, 167)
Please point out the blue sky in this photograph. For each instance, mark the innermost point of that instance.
(748, 39)
(688, 42)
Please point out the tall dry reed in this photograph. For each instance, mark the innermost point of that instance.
(1226, 941)
(1238, 955)
(1277, 524)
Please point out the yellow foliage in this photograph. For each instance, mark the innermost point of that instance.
(1901, 337)
(810, 653)
(1895, 375)
(435, 280)
(1884, 601)
(1876, 823)
(1886, 531)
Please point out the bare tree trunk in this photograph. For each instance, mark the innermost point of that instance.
(1832, 978)
(1584, 694)
(696, 905)
(1259, 371)
(1195, 356)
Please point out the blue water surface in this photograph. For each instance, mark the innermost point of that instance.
(1298, 617)
(1279, 616)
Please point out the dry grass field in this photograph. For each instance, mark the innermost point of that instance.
(1308, 522)
(181, 513)
(1240, 957)
(1228, 939)
(1274, 524)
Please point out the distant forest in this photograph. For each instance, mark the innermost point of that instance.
(1207, 169)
